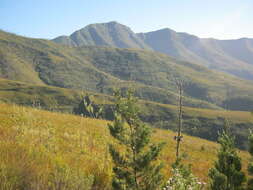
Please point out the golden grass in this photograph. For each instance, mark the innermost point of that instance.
(34, 143)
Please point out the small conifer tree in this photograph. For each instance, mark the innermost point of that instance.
(250, 166)
(88, 108)
(227, 174)
(135, 167)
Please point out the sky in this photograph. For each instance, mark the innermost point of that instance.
(221, 19)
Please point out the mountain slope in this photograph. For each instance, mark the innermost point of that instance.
(231, 56)
(102, 68)
(44, 62)
(158, 70)
(170, 42)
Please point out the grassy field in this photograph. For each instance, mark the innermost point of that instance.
(41, 149)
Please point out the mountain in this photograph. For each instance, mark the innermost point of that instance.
(100, 69)
(171, 43)
(42, 62)
(110, 34)
(230, 56)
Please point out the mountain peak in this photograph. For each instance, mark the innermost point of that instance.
(113, 23)
(111, 34)
(165, 30)
(110, 23)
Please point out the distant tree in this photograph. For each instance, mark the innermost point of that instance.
(101, 84)
(88, 108)
(227, 174)
(135, 165)
(250, 166)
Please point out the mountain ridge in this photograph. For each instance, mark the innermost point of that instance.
(100, 69)
(231, 56)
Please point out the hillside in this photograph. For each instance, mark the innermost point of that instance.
(231, 56)
(204, 123)
(43, 62)
(40, 148)
(100, 69)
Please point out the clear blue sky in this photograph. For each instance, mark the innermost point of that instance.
(223, 19)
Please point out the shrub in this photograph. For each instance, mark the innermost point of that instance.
(180, 181)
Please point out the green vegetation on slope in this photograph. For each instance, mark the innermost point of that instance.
(69, 68)
(96, 68)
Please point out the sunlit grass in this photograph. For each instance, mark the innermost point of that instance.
(37, 146)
